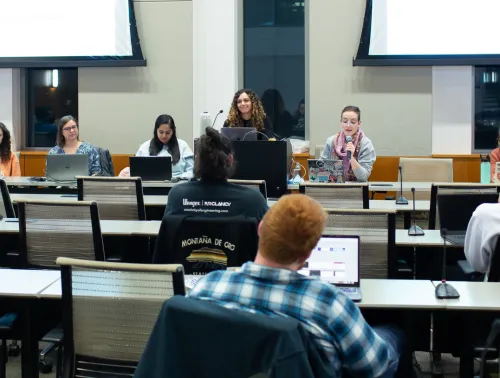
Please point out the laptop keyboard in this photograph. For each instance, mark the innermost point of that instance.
(348, 289)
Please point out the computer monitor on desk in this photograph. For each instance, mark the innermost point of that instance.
(264, 160)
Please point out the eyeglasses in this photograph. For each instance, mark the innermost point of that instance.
(70, 128)
(346, 122)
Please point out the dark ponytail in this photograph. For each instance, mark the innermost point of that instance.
(212, 161)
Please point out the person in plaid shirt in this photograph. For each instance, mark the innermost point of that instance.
(271, 285)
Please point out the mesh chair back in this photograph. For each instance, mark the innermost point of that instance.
(334, 196)
(51, 229)
(118, 198)
(259, 185)
(110, 309)
(377, 232)
(455, 188)
(6, 208)
(425, 170)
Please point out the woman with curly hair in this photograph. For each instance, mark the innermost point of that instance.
(247, 111)
(9, 163)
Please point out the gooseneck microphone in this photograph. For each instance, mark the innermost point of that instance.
(444, 290)
(401, 199)
(348, 139)
(414, 229)
(215, 120)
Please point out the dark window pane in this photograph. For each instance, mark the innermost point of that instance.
(52, 94)
(274, 61)
(487, 108)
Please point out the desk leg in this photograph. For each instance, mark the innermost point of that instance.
(29, 350)
(407, 219)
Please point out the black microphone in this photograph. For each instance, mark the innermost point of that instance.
(215, 120)
(348, 139)
(414, 230)
(401, 199)
(444, 290)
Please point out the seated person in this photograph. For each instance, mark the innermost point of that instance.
(166, 143)
(494, 159)
(68, 142)
(211, 195)
(9, 163)
(271, 285)
(247, 111)
(482, 236)
(363, 156)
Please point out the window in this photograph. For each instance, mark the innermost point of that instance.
(274, 61)
(487, 108)
(52, 94)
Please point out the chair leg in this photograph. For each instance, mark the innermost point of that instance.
(3, 359)
(59, 361)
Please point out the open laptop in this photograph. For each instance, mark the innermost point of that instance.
(324, 171)
(335, 260)
(239, 133)
(66, 167)
(455, 211)
(151, 168)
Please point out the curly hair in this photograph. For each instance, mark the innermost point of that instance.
(258, 114)
(5, 146)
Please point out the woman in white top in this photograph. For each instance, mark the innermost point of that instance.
(165, 143)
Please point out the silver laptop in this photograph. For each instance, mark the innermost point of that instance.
(326, 171)
(335, 260)
(67, 167)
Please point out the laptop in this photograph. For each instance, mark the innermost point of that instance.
(335, 260)
(455, 212)
(151, 168)
(66, 167)
(239, 133)
(325, 171)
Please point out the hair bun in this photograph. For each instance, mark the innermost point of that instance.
(217, 140)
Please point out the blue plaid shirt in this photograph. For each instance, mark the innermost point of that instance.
(333, 320)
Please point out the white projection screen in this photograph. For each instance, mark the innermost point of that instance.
(430, 32)
(68, 33)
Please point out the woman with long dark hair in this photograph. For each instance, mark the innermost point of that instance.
(166, 143)
(9, 163)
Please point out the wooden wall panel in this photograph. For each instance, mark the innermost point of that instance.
(466, 168)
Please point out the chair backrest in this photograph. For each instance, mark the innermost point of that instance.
(109, 310)
(494, 273)
(377, 232)
(342, 196)
(425, 170)
(52, 229)
(196, 332)
(6, 208)
(118, 198)
(318, 150)
(203, 244)
(107, 168)
(455, 188)
(259, 185)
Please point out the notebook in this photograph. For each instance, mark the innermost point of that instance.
(335, 260)
(324, 171)
(455, 211)
(66, 167)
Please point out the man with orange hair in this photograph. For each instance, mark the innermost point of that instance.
(271, 285)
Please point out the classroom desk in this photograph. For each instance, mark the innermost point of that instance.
(22, 288)
(26, 181)
(474, 296)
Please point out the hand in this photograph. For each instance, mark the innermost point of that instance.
(350, 147)
(125, 172)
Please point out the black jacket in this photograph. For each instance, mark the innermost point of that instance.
(198, 339)
(203, 245)
(268, 127)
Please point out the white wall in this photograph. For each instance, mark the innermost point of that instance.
(118, 106)
(215, 58)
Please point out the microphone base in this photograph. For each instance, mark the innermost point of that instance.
(415, 230)
(401, 201)
(446, 291)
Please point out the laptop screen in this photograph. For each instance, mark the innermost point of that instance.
(335, 259)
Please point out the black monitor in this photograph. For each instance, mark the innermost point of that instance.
(264, 160)
(151, 168)
(455, 210)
